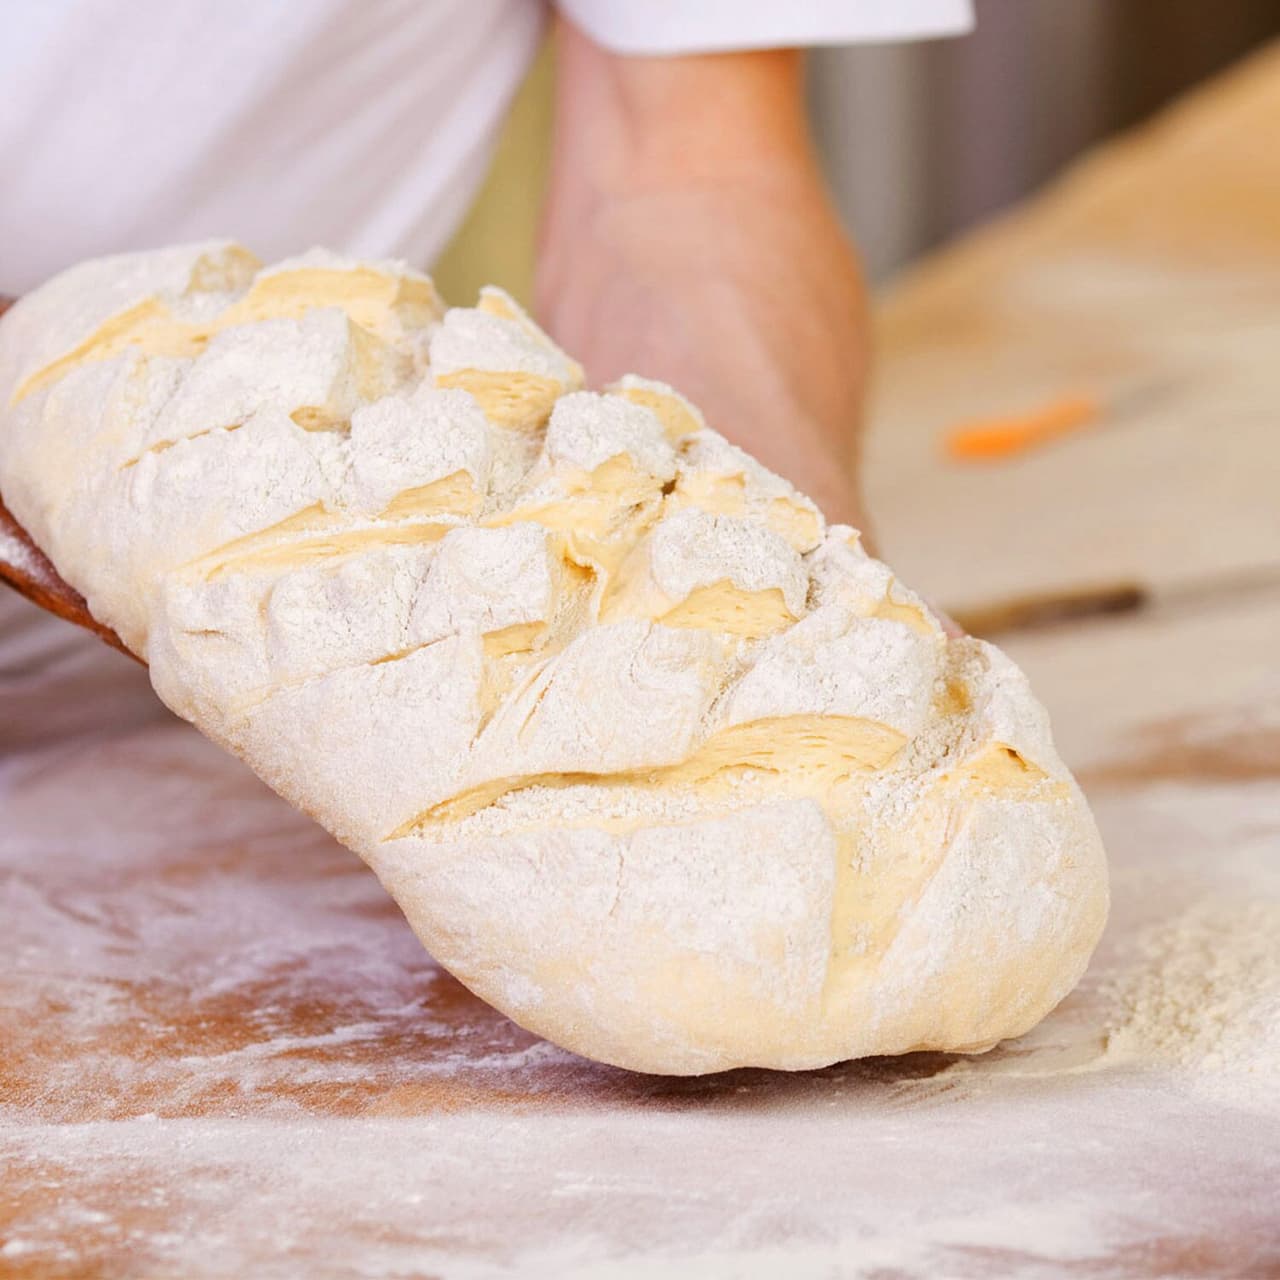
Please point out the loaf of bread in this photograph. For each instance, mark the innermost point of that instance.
(652, 758)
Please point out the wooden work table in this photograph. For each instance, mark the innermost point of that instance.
(225, 1055)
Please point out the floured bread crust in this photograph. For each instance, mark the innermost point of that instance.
(652, 759)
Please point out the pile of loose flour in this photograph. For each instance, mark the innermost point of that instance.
(1203, 994)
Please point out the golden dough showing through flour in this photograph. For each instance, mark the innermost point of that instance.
(652, 758)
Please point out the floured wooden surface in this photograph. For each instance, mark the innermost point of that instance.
(225, 1054)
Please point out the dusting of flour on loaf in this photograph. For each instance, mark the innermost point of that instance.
(652, 758)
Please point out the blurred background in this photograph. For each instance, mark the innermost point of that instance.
(924, 140)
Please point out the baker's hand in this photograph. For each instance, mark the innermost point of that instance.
(688, 237)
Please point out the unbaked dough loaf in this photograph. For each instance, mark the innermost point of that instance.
(652, 759)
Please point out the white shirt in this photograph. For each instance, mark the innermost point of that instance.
(365, 125)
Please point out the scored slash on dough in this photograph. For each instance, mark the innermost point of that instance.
(652, 758)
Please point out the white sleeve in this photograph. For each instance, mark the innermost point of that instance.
(709, 26)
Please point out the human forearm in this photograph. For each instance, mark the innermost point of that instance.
(688, 236)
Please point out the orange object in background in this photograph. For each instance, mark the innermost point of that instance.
(993, 439)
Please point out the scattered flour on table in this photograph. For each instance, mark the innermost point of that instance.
(1203, 993)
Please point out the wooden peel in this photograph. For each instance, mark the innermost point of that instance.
(26, 568)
